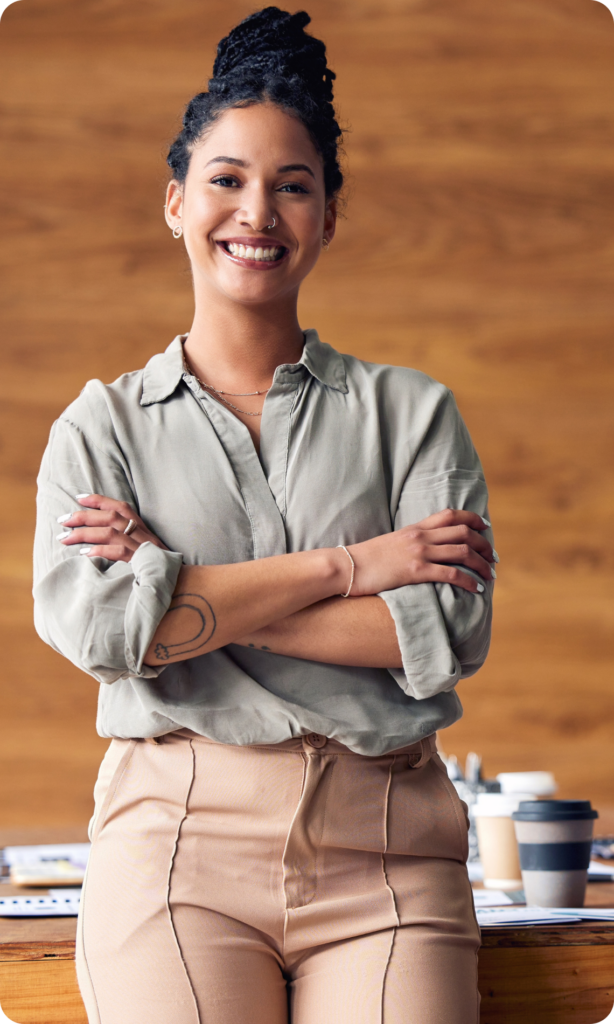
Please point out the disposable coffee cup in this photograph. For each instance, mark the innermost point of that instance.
(554, 844)
(541, 784)
(497, 839)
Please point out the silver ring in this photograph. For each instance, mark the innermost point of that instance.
(271, 225)
(131, 527)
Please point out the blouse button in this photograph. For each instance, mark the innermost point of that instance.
(315, 740)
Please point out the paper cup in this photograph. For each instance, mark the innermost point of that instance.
(497, 839)
(554, 843)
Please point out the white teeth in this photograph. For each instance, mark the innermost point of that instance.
(249, 253)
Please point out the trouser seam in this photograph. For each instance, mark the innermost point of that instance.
(385, 975)
(82, 945)
(384, 851)
(98, 825)
(168, 885)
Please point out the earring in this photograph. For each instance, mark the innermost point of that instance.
(325, 244)
(177, 231)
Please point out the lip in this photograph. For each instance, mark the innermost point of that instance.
(252, 264)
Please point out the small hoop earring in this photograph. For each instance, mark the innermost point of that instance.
(271, 225)
(177, 231)
(325, 244)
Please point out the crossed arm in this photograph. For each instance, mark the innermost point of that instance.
(289, 604)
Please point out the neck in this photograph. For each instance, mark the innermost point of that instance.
(238, 347)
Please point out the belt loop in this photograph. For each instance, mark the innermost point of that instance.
(428, 747)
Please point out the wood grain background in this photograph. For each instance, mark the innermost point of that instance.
(478, 247)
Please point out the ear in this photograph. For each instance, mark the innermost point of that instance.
(330, 219)
(174, 204)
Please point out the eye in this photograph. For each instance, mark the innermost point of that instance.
(293, 186)
(226, 181)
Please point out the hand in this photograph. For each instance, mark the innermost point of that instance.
(102, 523)
(427, 552)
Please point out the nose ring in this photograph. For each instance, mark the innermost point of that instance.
(271, 225)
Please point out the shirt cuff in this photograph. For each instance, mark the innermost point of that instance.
(155, 578)
(429, 664)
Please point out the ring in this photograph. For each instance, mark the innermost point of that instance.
(131, 527)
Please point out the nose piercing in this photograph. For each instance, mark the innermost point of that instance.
(271, 225)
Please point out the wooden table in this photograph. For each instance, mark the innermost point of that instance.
(554, 974)
(539, 975)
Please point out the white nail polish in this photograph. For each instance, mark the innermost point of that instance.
(480, 588)
(79, 496)
(86, 551)
(485, 521)
(495, 556)
(493, 573)
(63, 519)
(63, 536)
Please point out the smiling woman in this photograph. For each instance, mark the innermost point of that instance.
(286, 571)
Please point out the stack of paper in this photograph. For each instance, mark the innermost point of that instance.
(518, 916)
(56, 864)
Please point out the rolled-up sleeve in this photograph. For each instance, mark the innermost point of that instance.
(443, 630)
(100, 615)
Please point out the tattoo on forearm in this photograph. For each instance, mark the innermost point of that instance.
(205, 626)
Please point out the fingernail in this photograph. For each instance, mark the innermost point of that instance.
(480, 588)
(86, 551)
(79, 496)
(62, 519)
(485, 521)
(63, 536)
(495, 556)
(493, 573)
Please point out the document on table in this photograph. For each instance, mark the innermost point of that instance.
(40, 906)
(515, 917)
(49, 864)
(491, 898)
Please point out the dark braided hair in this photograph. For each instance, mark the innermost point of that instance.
(268, 56)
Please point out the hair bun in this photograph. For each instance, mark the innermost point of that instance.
(268, 57)
(273, 44)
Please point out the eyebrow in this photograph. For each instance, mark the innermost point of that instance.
(241, 163)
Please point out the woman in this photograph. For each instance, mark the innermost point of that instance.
(271, 815)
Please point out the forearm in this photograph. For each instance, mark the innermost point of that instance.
(359, 631)
(215, 605)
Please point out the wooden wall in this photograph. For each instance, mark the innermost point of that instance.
(478, 247)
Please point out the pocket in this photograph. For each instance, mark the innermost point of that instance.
(425, 814)
(111, 769)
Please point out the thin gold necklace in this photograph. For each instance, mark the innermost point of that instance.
(233, 394)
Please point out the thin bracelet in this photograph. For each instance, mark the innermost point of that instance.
(349, 589)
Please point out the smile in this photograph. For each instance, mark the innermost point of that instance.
(247, 252)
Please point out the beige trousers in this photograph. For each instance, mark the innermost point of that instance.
(255, 885)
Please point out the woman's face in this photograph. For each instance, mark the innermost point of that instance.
(256, 164)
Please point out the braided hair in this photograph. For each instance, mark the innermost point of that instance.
(268, 57)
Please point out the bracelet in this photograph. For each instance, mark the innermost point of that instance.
(349, 589)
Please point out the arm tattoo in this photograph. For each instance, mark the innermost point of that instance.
(201, 630)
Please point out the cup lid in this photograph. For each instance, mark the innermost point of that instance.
(540, 783)
(554, 810)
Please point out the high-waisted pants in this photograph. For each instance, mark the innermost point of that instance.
(295, 882)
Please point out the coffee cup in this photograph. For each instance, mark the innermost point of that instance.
(554, 844)
(497, 839)
(541, 784)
